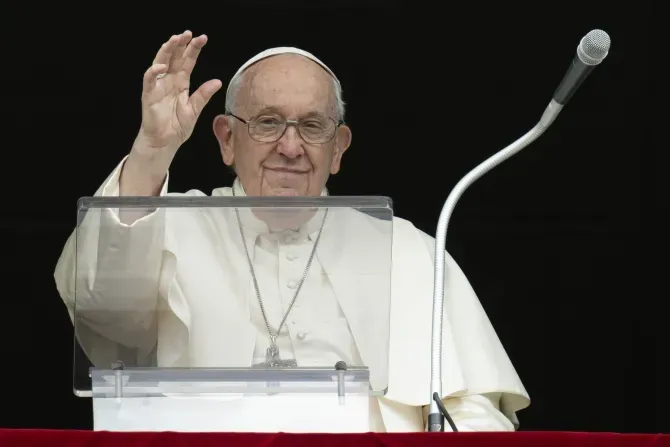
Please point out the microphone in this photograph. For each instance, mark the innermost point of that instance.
(591, 51)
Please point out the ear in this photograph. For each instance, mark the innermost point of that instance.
(224, 135)
(342, 142)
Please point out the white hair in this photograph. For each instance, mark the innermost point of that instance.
(236, 83)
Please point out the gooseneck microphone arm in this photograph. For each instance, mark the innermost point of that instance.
(435, 419)
(591, 51)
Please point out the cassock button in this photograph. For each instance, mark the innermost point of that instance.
(301, 335)
(292, 284)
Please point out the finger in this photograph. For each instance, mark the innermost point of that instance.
(192, 52)
(184, 40)
(164, 54)
(150, 76)
(201, 97)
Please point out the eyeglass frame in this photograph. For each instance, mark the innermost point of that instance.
(288, 123)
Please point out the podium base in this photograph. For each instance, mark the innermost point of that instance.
(290, 413)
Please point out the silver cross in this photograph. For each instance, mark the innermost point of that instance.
(272, 359)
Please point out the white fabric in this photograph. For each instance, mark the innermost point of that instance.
(205, 297)
(279, 264)
(273, 52)
(279, 260)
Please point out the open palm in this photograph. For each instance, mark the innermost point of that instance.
(169, 113)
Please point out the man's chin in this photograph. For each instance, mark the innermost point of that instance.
(286, 192)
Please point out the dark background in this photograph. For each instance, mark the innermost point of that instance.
(558, 242)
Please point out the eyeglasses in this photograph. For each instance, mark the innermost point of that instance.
(270, 127)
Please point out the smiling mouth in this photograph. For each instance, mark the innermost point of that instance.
(287, 170)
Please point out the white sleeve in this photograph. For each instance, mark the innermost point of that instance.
(108, 275)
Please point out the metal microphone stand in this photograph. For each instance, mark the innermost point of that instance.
(437, 410)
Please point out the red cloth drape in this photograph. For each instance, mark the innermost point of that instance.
(55, 438)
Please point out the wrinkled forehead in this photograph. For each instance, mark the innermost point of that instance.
(291, 84)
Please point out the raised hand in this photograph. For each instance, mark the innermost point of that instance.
(169, 113)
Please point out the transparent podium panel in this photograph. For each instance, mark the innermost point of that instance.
(232, 296)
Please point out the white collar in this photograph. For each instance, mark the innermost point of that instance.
(253, 224)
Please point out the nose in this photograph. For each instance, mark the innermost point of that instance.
(291, 144)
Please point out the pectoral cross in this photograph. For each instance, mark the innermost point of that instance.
(272, 359)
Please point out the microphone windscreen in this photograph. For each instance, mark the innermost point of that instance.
(594, 47)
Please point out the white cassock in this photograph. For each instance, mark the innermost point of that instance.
(191, 283)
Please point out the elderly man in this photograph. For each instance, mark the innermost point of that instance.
(284, 135)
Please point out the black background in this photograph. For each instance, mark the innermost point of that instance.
(558, 242)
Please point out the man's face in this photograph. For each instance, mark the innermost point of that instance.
(292, 87)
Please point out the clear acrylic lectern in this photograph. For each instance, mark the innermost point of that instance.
(233, 313)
